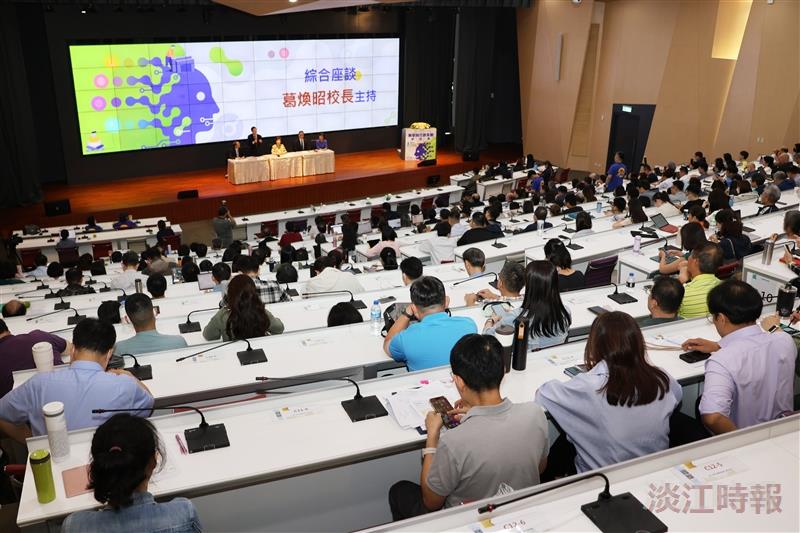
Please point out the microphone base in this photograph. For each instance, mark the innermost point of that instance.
(105, 289)
(141, 372)
(61, 305)
(121, 299)
(493, 284)
(201, 439)
(573, 246)
(499, 245)
(251, 357)
(189, 327)
(358, 304)
(42, 287)
(568, 230)
(364, 408)
(71, 321)
(49, 296)
(90, 282)
(622, 298)
(292, 292)
(622, 513)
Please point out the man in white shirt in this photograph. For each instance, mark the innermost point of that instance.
(126, 279)
(440, 248)
(328, 278)
(457, 228)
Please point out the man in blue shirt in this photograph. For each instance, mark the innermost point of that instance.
(427, 343)
(614, 178)
(139, 308)
(81, 387)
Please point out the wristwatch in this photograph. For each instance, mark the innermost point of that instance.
(408, 316)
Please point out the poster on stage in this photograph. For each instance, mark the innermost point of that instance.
(144, 96)
(419, 144)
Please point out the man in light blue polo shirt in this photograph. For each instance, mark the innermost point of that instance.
(82, 386)
(427, 343)
(139, 308)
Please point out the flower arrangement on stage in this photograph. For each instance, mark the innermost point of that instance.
(420, 126)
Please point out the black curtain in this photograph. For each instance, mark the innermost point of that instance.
(20, 169)
(487, 105)
(428, 68)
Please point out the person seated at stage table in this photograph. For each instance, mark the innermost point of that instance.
(300, 143)
(243, 316)
(81, 387)
(66, 241)
(478, 231)
(156, 286)
(463, 464)
(321, 143)
(139, 308)
(278, 148)
(424, 333)
(163, 231)
(255, 142)
(327, 277)
(125, 451)
(74, 284)
(619, 409)
(125, 221)
(236, 150)
(92, 225)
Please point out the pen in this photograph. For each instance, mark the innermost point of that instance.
(181, 445)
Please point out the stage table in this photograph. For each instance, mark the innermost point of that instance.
(285, 166)
(248, 170)
(318, 162)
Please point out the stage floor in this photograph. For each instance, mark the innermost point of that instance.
(357, 174)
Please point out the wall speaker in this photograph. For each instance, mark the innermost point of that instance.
(185, 195)
(470, 155)
(426, 163)
(433, 181)
(59, 207)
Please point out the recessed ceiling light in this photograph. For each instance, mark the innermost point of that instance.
(292, 1)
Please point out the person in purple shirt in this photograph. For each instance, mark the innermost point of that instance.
(16, 353)
(749, 376)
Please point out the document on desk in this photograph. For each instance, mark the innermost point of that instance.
(409, 407)
(664, 342)
(709, 470)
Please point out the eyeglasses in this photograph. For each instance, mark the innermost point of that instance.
(710, 317)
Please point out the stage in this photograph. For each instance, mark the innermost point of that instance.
(357, 175)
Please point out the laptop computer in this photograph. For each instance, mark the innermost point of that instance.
(204, 281)
(660, 222)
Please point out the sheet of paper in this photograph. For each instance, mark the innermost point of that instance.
(409, 407)
(665, 341)
(565, 359)
(705, 471)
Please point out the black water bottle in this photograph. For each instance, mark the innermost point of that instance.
(519, 348)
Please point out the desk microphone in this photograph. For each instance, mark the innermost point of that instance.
(572, 246)
(202, 438)
(358, 409)
(142, 372)
(74, 319)
(358, 304)
(498, 244)
(493, 284)
(91, 280)
(291, 292)
(20, 294)
(41, 286)
(621, 297)
(189, 326)
(246, 357)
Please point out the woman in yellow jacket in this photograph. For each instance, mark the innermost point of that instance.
(278, 148)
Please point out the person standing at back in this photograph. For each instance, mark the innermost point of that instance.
(223, 226)
(125, 452)
(498, 446)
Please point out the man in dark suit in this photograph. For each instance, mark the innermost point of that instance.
(236, 151)
(477, 232)
(299, 144)
(255, 144)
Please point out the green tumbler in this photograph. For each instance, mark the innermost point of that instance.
(43, 476)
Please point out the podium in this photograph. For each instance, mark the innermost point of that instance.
(419, 144)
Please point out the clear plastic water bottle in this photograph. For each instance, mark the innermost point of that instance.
(637, 244)
(376, 317)
(599, 208)
(631, 283)
(541, 229)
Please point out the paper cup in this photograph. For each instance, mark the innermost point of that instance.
(43, 356)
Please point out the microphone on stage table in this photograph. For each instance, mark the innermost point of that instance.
(192, 327)
(492, 283)
(142, 372)
(202, 438)
(246, 357)
(358, 304)
(358, 409)
(74, 319)
(621, 297)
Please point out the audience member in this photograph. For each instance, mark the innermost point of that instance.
(16, 352)
(699, 277)
(139, 308)
(75, 285)
(344, 313)
(463, 464)
(189, 272)
(411, 269)
(84, 386)
(388, 259)
(329, 278)
(243, 315)
(125, 280)
(40, 271)
(125, 452)
(125, 221)
(426, 343)
(474, 262)
(735, 244)
(478, 231)
(108, 311)
(510, 282)
(91, 225)
(440, 248)
(223, 226)
(569, 279)
(769, 198)
(663, 301)
(66, 241)
(583, 225)
(14, 308)
(163, 231)
(286, 273)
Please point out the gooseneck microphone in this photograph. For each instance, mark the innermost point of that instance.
(358, 409)
(189, 326)
(358, 304)
(74, 319)
(246, 357)
(621, 297)
(142, 372)
(202, 438)
(476, 277)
